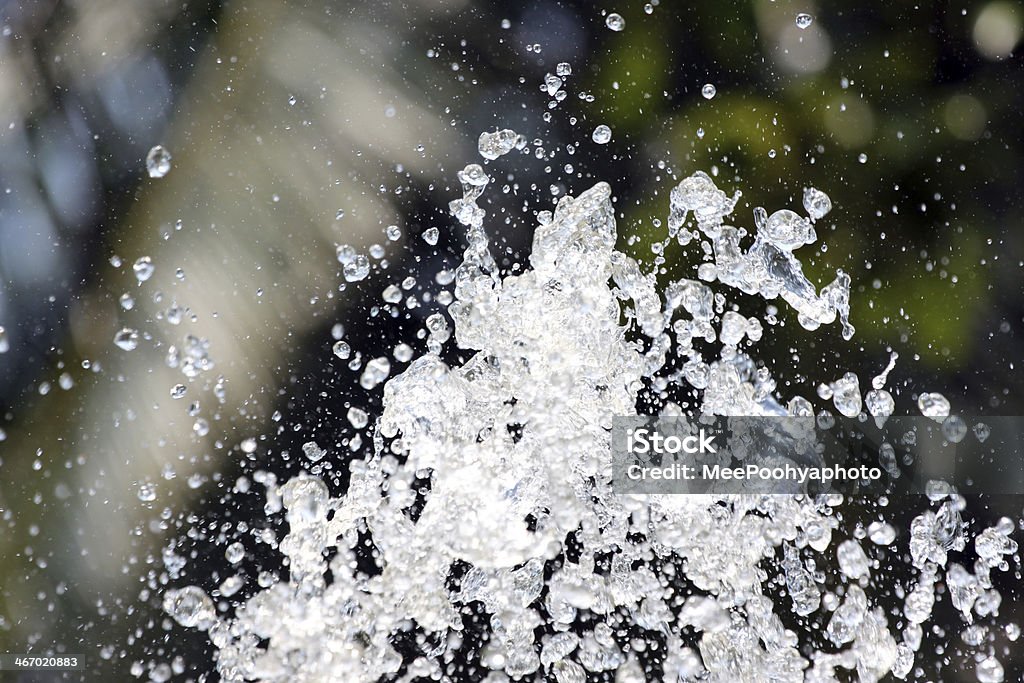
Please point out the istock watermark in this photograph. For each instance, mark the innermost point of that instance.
(644, 441)
(823, 454)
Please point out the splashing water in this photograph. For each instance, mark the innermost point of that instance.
(518, 515)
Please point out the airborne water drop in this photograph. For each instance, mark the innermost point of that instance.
(602, 134)
(158, 162)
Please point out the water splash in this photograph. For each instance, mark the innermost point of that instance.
(517, 514)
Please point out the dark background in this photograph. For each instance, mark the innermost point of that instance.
(908, 117)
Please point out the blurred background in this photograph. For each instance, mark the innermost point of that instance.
(295, 127)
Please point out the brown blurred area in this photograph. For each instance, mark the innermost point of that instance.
(288, 114)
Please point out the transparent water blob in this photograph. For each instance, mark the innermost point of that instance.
(615, 22)
(496, 144)
(933, 405)
(158, 162)
(602, 135)
(190, 606)
(127, 339)
(357, 269)
(816, 203)
(143, 268)
(342, 350)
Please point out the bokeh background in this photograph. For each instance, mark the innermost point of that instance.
(298, 126)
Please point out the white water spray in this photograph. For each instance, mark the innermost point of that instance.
(518, 514)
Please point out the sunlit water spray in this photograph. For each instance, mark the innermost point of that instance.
(517, 512)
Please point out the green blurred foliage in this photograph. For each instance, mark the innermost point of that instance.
(924, 222)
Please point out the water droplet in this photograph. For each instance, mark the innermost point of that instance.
(235, 553)
(881, 533)
(345, 254)
(292, 100)
(178, 391)
(158, 162)
(5, 342)
(981, 432)
(147, 493)
(127, 339)
(342, 350)
(190, 606)
(880, 403)
(804, 20)
(615, 22)
(474, 176)
(989, 670)
(954, 428)
(357, 417)
(375, 372)
(403, 353)
(306, 499)
(143, 268)
(708, 91)
(563, 69)
(846, 395)
(313, 451)
(602, 135)
(788, 230)
(852, 560)
(802, 590)
(552, 84)
(816, 203)
(935, 406)
(393, 233)
(496, 144)
(231, 585)
(430, 236)
(357, 269)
